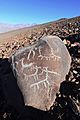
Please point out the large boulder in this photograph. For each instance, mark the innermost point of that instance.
(40, 68)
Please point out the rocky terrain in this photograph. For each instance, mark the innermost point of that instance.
(67, 103)
(13, 40)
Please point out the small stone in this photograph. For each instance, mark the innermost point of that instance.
(75, 72)
(70, 31)
(5, 116)
(65, 41)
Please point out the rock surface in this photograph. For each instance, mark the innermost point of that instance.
(40, 68)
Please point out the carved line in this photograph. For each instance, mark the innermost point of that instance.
(45, 80)
(31, 50)
(26, 65)
(52, 55)
(36, 75)
(13, 65)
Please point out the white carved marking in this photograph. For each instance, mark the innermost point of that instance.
(45, 85)
(37, 84)
(52, 55)
(13, 65)
(29, 54)
(35, 48)
(33, 53)
(35, 75)
(51, 72)
(42, 81)
(26, 65)
(45, 81)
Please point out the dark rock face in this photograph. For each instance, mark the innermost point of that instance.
(40, 68)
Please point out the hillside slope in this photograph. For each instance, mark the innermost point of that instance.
(10, 41)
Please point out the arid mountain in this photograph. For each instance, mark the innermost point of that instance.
(9, 27)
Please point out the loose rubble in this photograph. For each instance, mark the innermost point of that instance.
(62, 28)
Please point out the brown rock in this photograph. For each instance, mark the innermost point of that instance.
(40, 68)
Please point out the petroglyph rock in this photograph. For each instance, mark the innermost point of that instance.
(40, 68)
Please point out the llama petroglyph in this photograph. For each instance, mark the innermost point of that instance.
(40, 68)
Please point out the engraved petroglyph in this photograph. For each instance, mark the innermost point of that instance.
(44, 81)
(40, 68)
(31, 51)
(51, 55)
(26, 65)
(36, 74)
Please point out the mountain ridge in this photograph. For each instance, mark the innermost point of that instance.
(5, 27)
